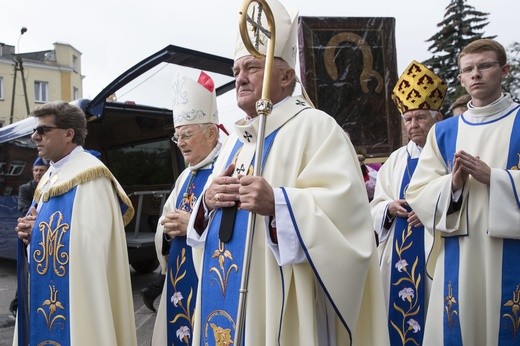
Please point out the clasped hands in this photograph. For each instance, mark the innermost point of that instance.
(397, 208)
(465, 165)
(175, 223)
(252, 193)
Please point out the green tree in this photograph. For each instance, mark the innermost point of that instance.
(461, 25)
(512, 81)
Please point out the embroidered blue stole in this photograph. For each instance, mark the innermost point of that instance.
(181, 277)
(49, 306)
(406, 299)
(509, 334)
(446, 136)
(222, 271)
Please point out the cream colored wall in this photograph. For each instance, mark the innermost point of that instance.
(59, 75)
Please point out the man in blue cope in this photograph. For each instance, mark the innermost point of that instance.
(466, 190)
(195, 118)
(403, 243)
(313, 278)
(78, 285)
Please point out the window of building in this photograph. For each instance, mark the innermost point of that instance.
(1, 88)
(75, 63)
(75, 93)
(41, 91)
(16, 168)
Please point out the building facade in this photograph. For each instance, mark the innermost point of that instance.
(37, 78)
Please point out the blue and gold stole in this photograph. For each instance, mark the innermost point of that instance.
(222, 271)
(446, 134)
(49, 306)
(406, 307)
(181, 279)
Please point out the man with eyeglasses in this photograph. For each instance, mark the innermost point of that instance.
(313, 277)
(403, 243)
(78, 289)
(195, 117)
(466, 189)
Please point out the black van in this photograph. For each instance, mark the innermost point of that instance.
(134, 142)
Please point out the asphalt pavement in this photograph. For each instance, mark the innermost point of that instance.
(144, 318)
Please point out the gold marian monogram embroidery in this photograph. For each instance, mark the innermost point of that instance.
(223, 275)
(52, 305)
(50, 251)
(514, 315)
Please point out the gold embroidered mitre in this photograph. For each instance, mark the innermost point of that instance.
(418, 88)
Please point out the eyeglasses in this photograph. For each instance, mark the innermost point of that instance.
(184, 136)
(483, 66)
(43, 129)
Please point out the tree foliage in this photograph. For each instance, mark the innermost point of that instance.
(511, 83)
(461, 25)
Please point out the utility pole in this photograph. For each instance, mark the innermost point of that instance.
(18, 66)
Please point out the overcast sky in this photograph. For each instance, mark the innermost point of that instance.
(113, 35)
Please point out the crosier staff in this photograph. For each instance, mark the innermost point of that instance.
(264, 107)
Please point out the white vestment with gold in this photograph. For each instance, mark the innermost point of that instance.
(320, 284)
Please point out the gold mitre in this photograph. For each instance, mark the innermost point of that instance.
(286, 22)
(194, 102)
(418, 88)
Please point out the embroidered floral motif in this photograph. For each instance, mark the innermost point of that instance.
(223, 275)
(409, 293)
(449, 305)
(514, 315)
(50, 251)
(183, 333)
(177, 299)
(52, 305)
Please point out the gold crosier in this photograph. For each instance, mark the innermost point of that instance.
(263, 109)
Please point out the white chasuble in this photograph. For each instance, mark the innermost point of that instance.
(475, 290)
(334, 296)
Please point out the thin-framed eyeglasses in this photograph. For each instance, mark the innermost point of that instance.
(43, 129)
(483, 66)
(185, 136)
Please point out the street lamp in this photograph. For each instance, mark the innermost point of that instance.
(18, 66)
(23, 30)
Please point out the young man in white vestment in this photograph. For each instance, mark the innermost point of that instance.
(465, 189)
(195, 117)
(313, 277)
(78, 288)
(403, 243)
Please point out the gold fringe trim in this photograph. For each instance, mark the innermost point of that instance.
(83, 177)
